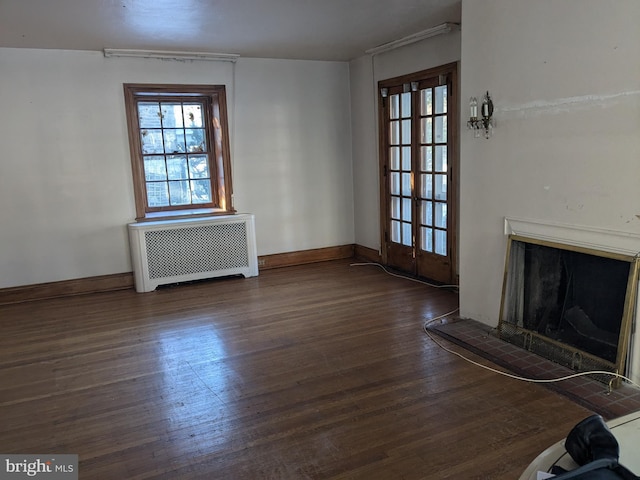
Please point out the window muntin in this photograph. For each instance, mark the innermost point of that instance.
(175, 152)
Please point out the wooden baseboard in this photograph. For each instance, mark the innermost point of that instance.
(289, 259)
(66, 288)
(123, 281)
(366, 253)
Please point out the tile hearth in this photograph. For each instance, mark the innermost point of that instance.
(592, 394)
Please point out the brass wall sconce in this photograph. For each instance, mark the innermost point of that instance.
(484, 123)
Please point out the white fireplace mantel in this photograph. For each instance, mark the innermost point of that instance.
(625, 243)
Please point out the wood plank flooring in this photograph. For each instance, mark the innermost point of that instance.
(319, 371)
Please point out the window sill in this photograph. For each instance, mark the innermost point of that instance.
(182, 214)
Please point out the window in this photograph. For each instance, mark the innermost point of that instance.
(179, 144)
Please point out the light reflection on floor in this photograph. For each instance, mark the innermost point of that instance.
(196, 389)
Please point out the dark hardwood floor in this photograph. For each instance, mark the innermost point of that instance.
(314, 372)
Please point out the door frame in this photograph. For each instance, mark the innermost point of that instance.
(450, 69)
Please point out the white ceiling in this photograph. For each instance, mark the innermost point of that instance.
(296, 29)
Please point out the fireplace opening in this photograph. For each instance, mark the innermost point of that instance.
(568, 304)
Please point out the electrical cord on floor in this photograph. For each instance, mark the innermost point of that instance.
(401, 276)
(614, 375)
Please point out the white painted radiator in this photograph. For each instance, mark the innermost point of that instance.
(172, 251)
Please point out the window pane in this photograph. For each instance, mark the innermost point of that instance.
(406, 184)
(406, 159)
(177, 167)
(179, 193)
(441, 99)
(151, 140)
(426, 242)
(406, 132)
(395, 183)
(200, 191)
(406, 209)
(154, 168)
(193, 116)
(441, 187)
(441, 158)
(149, 114)
(198, 166)
(195, 140)
(157, 194)
(174, 140)
(441, 242)
(394, 104)
(406, 235)
(395, 231)
(395, 158)
(427, 213)
(426, 190)
(441, 215)
(394, 133)
(441, 129)
(395, 208)
(426, 102)
(426, 159)
(406, 104)
(426, 134)
(172, 115)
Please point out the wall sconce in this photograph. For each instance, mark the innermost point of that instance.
(485, 123)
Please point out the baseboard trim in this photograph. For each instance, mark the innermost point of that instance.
(302, 257)
(368, 254)
(66, 288)
(124, 281)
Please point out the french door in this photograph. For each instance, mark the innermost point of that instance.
(418, 156)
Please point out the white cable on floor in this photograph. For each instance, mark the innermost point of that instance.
(400, 276)
(500, 372)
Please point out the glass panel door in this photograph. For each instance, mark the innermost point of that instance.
(418, 134)
(400, 168)
(433, 198)
(399, 179)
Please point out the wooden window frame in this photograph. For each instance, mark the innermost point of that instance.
(217, 131)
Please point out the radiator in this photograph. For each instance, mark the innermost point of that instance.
(172, 251)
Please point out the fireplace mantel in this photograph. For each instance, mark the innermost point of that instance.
(613, 241)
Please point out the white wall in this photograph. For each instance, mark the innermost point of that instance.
(366, 71)
(65, 173)
(565, 81)
(365, 154)
(292, 152)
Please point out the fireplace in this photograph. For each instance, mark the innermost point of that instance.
(569, 300)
